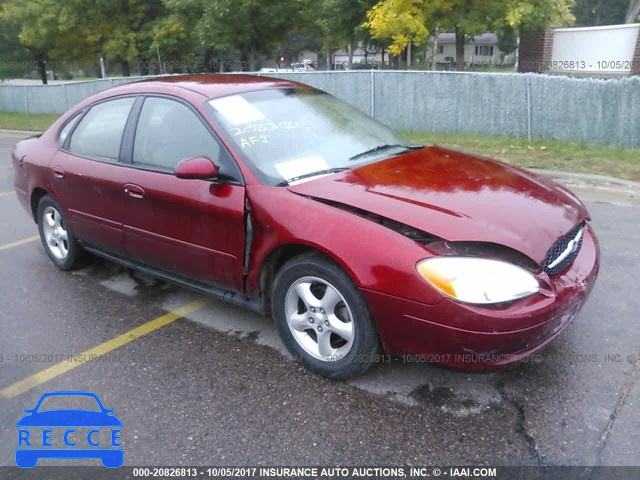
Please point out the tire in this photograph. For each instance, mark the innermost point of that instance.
(57, 239)
(335, 335)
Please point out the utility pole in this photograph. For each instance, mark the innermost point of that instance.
(434, 53)
(159, 61)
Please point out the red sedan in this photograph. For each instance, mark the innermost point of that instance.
(279, 197)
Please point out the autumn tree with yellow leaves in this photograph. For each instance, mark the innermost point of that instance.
(405, 21)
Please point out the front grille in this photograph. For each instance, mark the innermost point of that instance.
(564, 251)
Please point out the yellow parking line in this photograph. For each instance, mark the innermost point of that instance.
(102, 349)
(4, 194)
(19, 242)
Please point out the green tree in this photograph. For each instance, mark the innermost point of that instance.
(466, 18)
(37, 22)
(600, 12)
(120, 30)
(532, 14)
(408, 20)
(14, 58)
(123, 31)
(508, 40)
(350, 15)
(249, 27)
(173, 43)
(474, 17)
(297, 41)
(303, 34)
(328, 25)
(205, 57)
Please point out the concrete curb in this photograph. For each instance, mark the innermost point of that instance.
(598, 181)
(597, 188)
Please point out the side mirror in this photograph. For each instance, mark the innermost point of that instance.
(198, 167)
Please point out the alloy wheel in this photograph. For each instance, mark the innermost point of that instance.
(55, 233)
(319, 318)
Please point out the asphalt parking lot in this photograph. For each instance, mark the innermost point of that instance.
(213, 386)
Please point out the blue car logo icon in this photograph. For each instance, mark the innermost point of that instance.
(69, 433)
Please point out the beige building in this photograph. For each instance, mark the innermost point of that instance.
(481, 50)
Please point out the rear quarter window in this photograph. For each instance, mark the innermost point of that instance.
(68, 127)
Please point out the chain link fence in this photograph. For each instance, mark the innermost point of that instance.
(521, 105)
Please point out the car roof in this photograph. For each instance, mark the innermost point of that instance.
(215, 85)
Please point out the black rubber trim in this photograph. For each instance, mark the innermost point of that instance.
(219, 293)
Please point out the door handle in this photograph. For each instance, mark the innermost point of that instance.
(58, 171)
(134, 191)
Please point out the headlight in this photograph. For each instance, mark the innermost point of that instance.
(478, 280)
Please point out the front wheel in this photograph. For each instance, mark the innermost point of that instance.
(61, 246)
(323, 319)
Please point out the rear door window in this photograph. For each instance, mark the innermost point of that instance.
(99, 133)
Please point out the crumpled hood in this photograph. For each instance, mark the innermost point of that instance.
(458, 197)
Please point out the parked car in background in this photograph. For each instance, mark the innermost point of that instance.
(281, 198)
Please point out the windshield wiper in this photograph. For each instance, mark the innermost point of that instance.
(380, 148)
(311, 174)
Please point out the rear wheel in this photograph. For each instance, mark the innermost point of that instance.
(61, 246)
(323, 319)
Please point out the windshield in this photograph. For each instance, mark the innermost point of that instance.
(289, 135)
